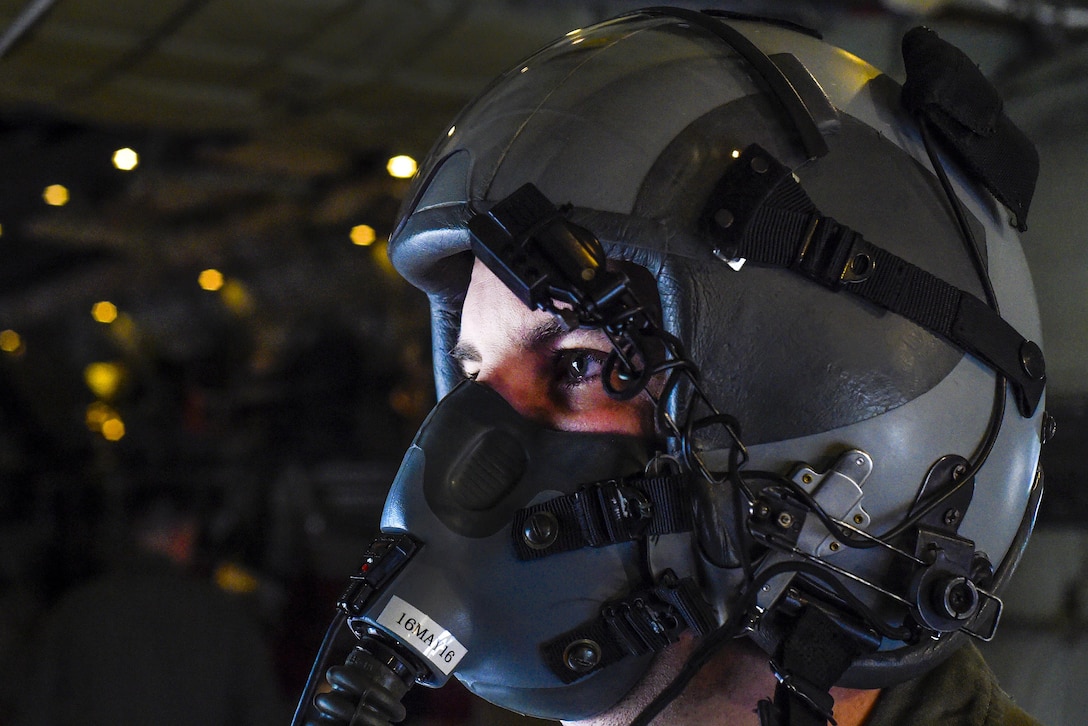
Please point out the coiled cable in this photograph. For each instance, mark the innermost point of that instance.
(367, 689)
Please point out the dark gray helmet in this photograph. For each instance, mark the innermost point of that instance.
(817, 263)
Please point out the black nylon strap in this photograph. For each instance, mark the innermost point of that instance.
(608, 512)
(808, 662)
(760, 213)
(646, 621)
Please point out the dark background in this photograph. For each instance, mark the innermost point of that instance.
(281, 402)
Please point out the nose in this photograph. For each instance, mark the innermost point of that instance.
(523, 388)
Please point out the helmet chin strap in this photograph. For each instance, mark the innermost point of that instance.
(820, 645)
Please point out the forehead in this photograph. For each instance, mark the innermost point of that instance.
(494, 320)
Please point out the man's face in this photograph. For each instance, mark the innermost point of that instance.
(552, 377)
(548, 375)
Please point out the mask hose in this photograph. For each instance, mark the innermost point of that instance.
(367, 689)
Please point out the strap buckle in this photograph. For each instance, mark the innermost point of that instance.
(832, 254)
(647, 620)
(816, 699)
(640, 625)
(628, 511)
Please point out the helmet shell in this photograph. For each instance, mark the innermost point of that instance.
(632, 122)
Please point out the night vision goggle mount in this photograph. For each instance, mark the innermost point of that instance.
(554, 265)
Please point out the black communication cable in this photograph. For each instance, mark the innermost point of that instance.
(317, 670)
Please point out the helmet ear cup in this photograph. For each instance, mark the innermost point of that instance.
(877, 670)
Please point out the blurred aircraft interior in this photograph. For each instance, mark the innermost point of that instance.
(194, 294)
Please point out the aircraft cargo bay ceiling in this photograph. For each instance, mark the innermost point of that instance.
(260, 132)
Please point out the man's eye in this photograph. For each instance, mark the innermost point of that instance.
(578, 365)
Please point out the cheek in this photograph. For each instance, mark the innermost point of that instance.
(604, 415)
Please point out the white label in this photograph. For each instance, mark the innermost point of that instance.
(425, 635)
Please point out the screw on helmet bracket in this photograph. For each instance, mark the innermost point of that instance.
(604, 513)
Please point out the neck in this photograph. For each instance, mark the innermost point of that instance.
(725, 691)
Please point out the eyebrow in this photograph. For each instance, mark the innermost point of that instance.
(544, 332)
(541, 334)
(465, 352)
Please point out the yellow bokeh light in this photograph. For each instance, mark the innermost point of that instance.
(56, 195)
(381, 257)
(234, 578)
(126, 159)
(363, 235)
(113, 429)
(97, 414)
(210, 279)
(10, 341)
(102, 419)
(236, 297)
(104, 311)
(124, 332)
(103, 378)
(1, 230)
(401, 166)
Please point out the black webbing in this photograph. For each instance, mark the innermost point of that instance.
(604, 513)
(646, 621)
(809, 661)
(760, 213)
